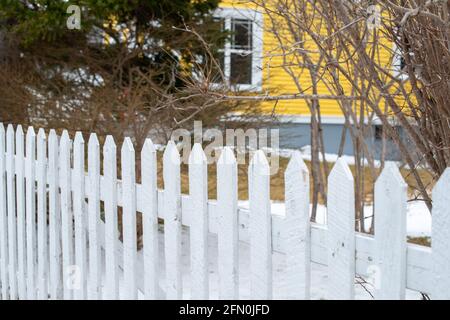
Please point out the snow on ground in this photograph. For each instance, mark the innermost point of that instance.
(319, 276)
(418, 220)
(418, 224)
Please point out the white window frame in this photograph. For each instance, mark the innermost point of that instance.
(396, 64)
(257, 46)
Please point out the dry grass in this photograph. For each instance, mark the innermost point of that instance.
(277, 180)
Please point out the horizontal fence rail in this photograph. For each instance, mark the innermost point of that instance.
(59, 226)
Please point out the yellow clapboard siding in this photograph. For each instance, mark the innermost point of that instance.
(277, 81)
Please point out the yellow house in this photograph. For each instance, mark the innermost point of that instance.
(248, 67)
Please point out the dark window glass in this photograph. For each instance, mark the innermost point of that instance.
(378, 133)
(241, 37)
(241, 69)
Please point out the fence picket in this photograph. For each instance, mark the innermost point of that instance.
(20, 198)
(54, 225)
(260, 228)
(172, 221)
(228, 237)
(441, 238)
(390, 234)
(79, 205)
(12, 223)
(111, 223)
(129, 219)
(66, 212)
(198, 192)
(150, 220)
(31, 246)
(297, 229)
(42, 215)
(3, 218)
(95, 275)
(341, 232)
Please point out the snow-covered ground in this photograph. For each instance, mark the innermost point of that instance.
(319, 275)
(418, 224)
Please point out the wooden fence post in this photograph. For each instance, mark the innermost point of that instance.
(390, 234)
(341, 232)
(297, 229)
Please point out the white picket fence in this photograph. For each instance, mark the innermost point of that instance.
(54, 242)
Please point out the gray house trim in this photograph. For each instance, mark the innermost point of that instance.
(297, 135)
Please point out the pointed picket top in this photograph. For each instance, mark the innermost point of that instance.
(392, 174)
(109, 142)
(31, 134)
(171, 154)
(441, 238)
(93, 141)
(78, 138)
(127, 146)
(296, 164)
(259, 164)
(64, 142)
(148, 146)
(10, 134)
(341, 168)
(197, 155)
(53, 139)
(19, 132)
(65, 135)
(227, 157)
(259, 158)
(41, 132)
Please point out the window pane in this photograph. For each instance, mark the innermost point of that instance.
(241, 69)
(241, 34)
(215, 65)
